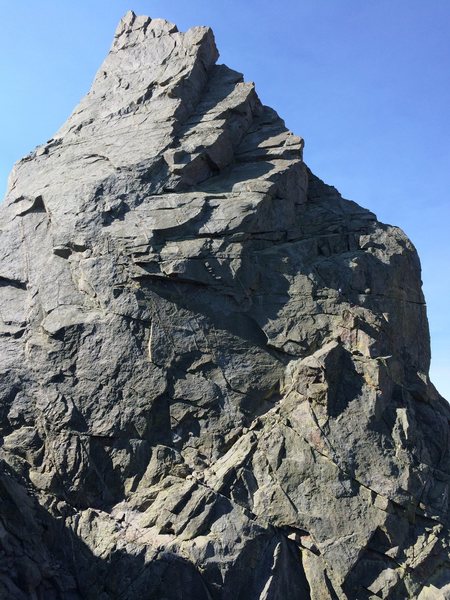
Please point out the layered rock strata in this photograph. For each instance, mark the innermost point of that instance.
(214, 369)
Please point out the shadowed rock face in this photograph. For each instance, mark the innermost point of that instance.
(214, 369)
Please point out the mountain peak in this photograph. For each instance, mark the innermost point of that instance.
(214, 368)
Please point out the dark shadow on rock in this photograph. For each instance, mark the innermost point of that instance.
(58, 565)
(277, 569)
(221, 307)
(344, 382)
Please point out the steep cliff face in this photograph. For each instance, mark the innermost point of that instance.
(214, 369)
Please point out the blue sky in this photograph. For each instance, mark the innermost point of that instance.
(366, 83)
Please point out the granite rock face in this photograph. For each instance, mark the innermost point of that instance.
(214, 369)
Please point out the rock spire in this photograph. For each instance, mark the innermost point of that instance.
(214, 369)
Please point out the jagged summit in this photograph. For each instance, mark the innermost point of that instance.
(214, 369)
(131, 24)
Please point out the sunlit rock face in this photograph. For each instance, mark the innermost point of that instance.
(214, 369)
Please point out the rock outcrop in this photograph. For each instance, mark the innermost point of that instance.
(214, 369)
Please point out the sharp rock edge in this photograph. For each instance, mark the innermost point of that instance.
(214, 369)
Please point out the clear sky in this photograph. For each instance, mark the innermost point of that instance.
(365, 82)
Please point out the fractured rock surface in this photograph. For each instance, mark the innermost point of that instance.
(214, 369)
